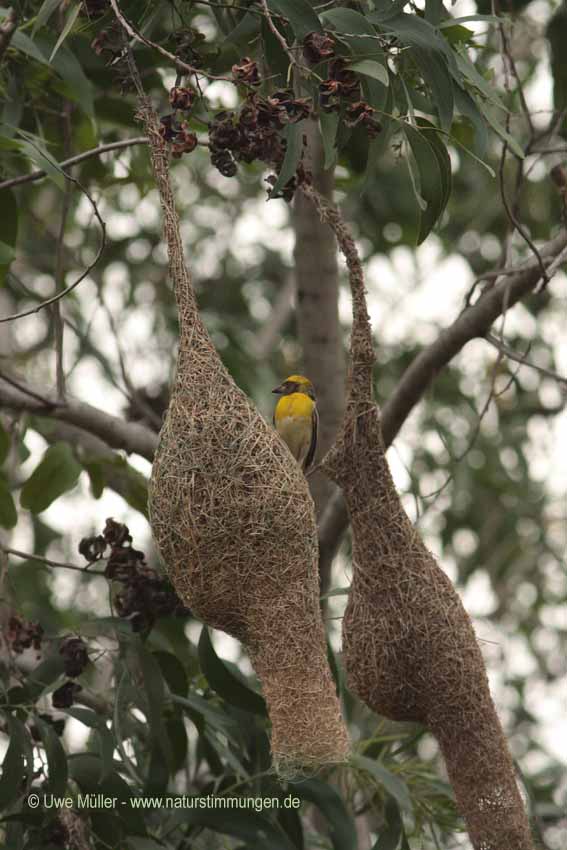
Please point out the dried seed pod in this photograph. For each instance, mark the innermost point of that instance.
(223, 162)
(182, 97)
(64, 697)
(297, 109)
(246, 71)
(318, 46)
(361, 113)
(75, 655)
(330, 95)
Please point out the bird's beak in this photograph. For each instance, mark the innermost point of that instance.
(278, 390)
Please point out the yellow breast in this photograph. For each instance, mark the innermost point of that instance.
(293, 419)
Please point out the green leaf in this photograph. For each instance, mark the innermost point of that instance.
(342, 831)
(14, 765)
(41, 157)
(384, 9)
(8, 513)
(173, 672)
(459, 35)
(431, 185)
(391, 783)
(56, 758)
(413, 30)
(212, 715)
(436, 74)
(371, 69)
(71, 18)
(95, 471)
(467, 69)
(389, 836)
(433, 11)
(46, 10)
(256, 830)
(78, 86)
(224, 682)
(65, 64)
(86, 770)
(468, 108)
(154, 692)
(177, 734)
(23, 42)
(443, 159)
(355, 29)
(245, 30)
(300, 15)
(57, 473)
(107, 745)
(514, 145)
(294, 138)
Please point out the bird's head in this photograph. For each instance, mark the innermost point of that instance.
(296, 384)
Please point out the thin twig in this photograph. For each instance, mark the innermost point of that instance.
(74, 160)
(511, 211)
(116, 432)
(27, 556)
(12, 381)
(58, 328)
(177, 62)
(85, 273)
(522, 359)
(277, 34)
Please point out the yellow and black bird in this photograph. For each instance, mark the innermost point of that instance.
(296, 418)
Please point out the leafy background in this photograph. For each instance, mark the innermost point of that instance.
(169, 708)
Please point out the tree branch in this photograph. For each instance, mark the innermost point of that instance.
(132, 437)
(474, 322)
(74, 160)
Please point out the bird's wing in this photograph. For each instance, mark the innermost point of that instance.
(313, 445)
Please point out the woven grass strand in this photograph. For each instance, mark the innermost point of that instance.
(235, 525)
(409, 647)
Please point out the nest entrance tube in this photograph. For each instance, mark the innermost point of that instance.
(409, 647)
(234, 522)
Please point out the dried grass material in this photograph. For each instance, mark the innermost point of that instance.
(410, 650)
(234, 521)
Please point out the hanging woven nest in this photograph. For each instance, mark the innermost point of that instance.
(410, 650)
(234, 522)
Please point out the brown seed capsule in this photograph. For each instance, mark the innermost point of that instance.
(329, 92)
(296, 108)
(318, 46)
(362, 113)
(246, 72)
(75, 656)
(182, 98)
